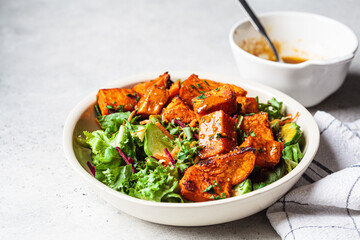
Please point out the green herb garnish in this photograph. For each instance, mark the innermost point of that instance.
(202, 96)
(210, 189)
(219, 135)
(216, 184)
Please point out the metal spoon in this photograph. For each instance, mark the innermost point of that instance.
(259, 27)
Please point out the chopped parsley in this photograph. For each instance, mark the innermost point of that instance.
(129, 94)
(202, 96)
(260, 150)
(137, 99)
(121, 108)
(216, 184)
(219, 135)
(252, 134)
(192, 86)
(217, 89)
(110, 107)
(206, 83)
(217, 197)
(210, 189)
(199, 86)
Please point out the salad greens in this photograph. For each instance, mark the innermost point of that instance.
(139, 173)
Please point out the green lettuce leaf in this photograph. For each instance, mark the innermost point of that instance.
(243, 187)
(272, 107)
(292, 155)
(160, 184)
(112, 122)
(186, 156)
(108, 163)
(268, 176)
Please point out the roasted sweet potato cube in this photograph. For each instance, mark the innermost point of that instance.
(248, 105)
(193, 87)
(178, 109)
(238, 91)
(161, 81)
(222, 98)
(268, 152)
(257, 124)
(260, 137)
(174, 89)
(109, 100)
(217, 134)
(211, 84)
(214, 178)
(153, 101)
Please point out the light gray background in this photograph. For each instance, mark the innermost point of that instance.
(53, 53)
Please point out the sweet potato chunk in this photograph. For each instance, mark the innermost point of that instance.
(238, 90)
(260, 137)
(268, 152)
(214, 178)
(161, 81)
(109, 100)
(217, 134)
(153, 101)
(248, 105)
(222, 98)
(174, 89)
(193, 87)
(259, 125)
(178, 109)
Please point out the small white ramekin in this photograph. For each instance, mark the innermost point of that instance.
(329, 45)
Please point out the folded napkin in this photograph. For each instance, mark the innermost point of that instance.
(325, 203)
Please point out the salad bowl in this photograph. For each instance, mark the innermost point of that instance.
(82, 118)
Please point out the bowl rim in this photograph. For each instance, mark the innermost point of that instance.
(78, 110)
(344, 58)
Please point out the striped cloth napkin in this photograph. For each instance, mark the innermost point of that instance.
(325, 203)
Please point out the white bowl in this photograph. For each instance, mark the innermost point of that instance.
(330, 46)
(82, 118)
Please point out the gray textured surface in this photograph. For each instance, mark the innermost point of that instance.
(53, 53)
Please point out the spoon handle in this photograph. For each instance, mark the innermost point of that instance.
(259, 27)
